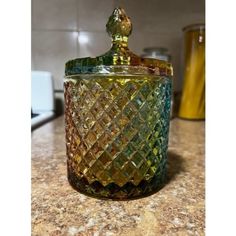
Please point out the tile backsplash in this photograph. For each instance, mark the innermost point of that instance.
(66, 29)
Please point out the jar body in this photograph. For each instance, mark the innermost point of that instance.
(192, 104)
(117, 133)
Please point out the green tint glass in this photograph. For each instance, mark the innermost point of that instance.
(117, 112)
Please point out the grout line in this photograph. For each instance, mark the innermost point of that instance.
(58, 30)
(104, 31)
(67, 30)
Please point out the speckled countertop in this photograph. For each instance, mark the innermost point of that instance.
(177, 209)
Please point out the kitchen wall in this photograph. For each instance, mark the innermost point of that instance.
(66, 29)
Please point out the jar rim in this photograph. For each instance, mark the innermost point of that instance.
(163, 68)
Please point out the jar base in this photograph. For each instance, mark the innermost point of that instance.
(113, 192)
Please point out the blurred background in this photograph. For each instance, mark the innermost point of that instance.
(67, 29)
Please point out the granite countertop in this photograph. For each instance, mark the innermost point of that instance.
(177, 209)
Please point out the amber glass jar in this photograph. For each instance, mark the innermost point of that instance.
(192, 104)
(117, 109)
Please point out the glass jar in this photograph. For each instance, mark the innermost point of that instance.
(161, 54)
(117, 111)
(192, 105)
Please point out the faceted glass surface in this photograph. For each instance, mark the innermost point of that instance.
(117, 133)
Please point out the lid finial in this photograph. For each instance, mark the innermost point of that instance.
(119, 26)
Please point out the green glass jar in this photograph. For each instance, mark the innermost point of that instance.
(117, 112)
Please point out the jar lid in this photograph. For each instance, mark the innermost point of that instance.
(156, 52)
(199, 26)
(119, 59)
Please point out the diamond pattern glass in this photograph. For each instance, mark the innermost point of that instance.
(117, 133)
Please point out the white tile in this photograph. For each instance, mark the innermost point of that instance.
(54, 14)
(92, 44)
(163, 16)
(140, 40)
(50, 51)
(160, 23)
(155, 23)
(93, 15)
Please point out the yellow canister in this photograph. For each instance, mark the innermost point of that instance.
(192, 105)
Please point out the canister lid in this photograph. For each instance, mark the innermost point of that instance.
(199, 26)
(156, 52)
(119, 59)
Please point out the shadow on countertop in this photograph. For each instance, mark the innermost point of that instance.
(174, 166)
